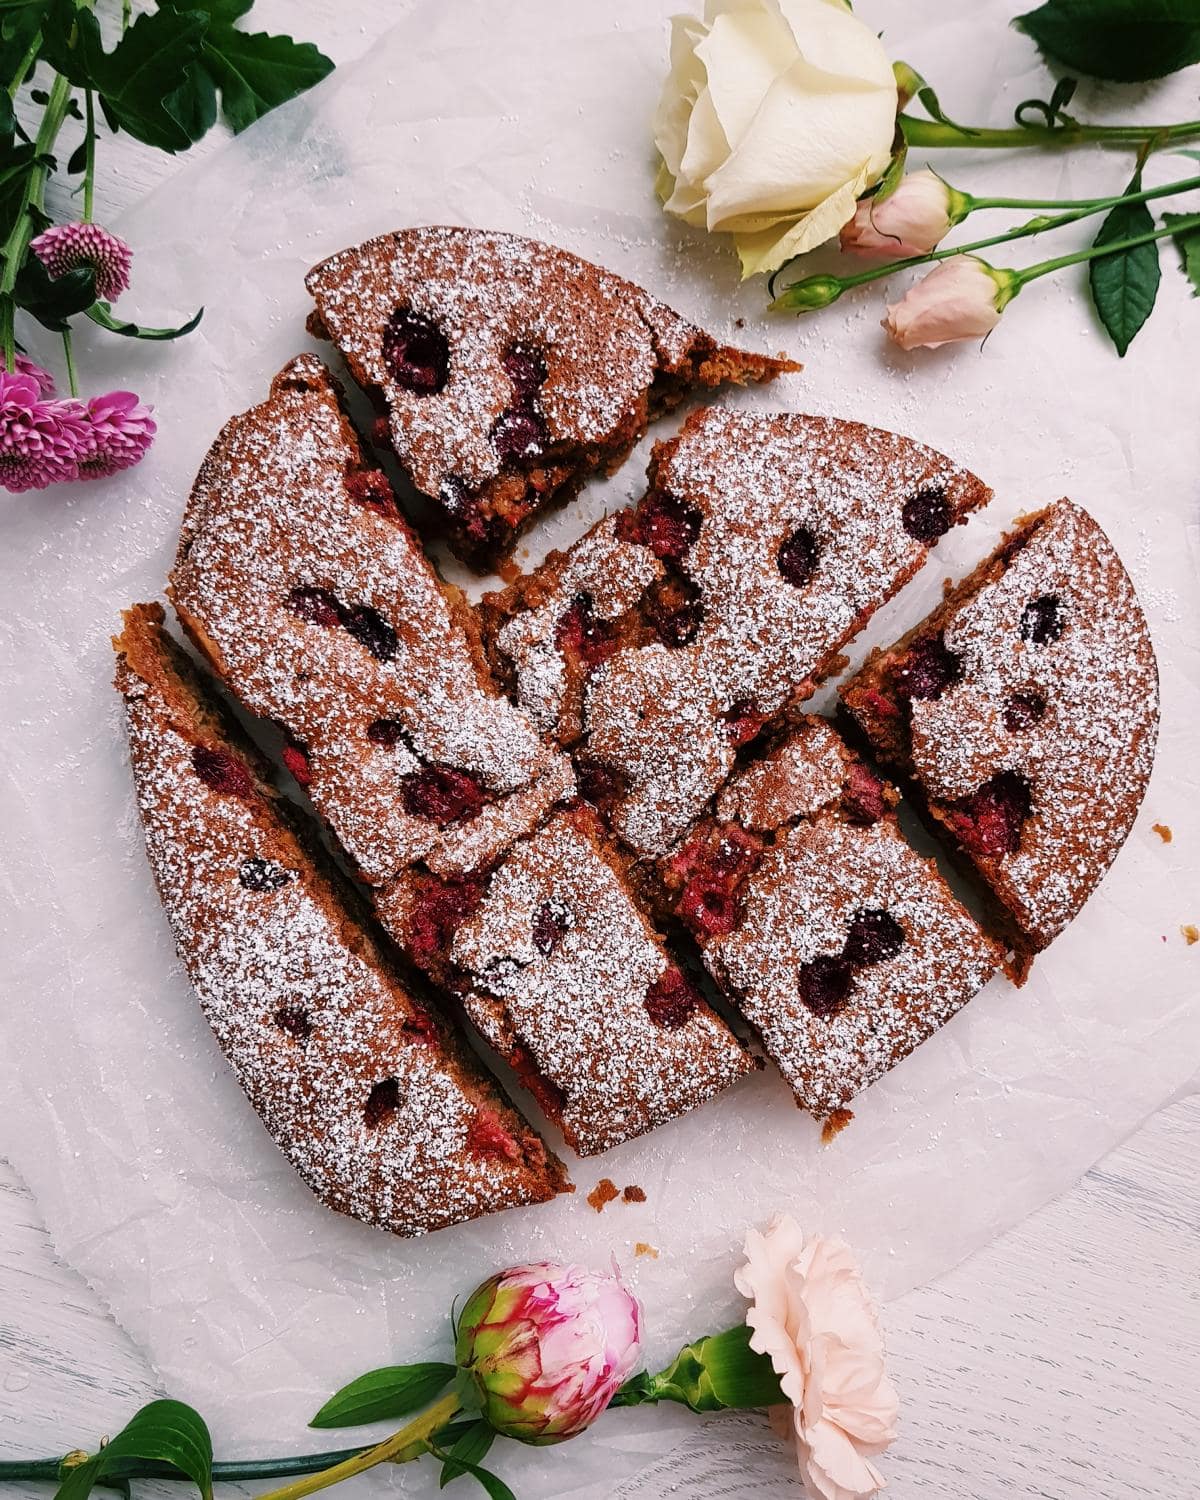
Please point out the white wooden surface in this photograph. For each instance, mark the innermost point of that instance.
(1063, 1361)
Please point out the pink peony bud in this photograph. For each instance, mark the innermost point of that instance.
(548, 1347)
(962, 298)
(912, 221)
(66, 247)
(41, 442)
(121, 432)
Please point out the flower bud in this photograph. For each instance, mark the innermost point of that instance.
(546, 1347)
(962, 298)
(911, 221)
(809, 295)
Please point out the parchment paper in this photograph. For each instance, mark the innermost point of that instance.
(157, 1180)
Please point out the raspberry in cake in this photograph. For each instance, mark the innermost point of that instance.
(1024, 712)
(384, 1113)
(310, 595)
(508, 370)
(672, 633)
(842, 946)
(564, 976)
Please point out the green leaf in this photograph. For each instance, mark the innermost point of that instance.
(379, 1395)
(101, 313)
(1187, 242)
(492, 1483)
(19, 24)
(148, 84)
(1125, 284)
(54, 299)
(255, 72)
(166, 1431)
(1129, 41)
(470, 1447)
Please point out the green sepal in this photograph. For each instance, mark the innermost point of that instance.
(717, 1373)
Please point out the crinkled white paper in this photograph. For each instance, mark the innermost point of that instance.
(157, 1180)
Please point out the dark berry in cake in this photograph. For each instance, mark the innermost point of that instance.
(583, 635)
(441, 794)
(989, 822)
(371, 630)
(262, 875)
(525, 367)
(662, 522)
(671, 1001)
(382, 1103)
(673, 607)
(927, 515)
(518, 434)
(797, 557)
(438, 909)
(1042, 621)
(294, 1019)
(928, 669)
(874, 937)
(416, 352)
(370, 488)
(551, 920)
(295, 758)
(386, 732)
(486, 1136)
(743, 720)
(223, 771)
(316, 606)
(863, 795)
(825, 983)
(1022, 711)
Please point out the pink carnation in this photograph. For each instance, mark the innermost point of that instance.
(41, 442)
(66, 247)
(121, 431)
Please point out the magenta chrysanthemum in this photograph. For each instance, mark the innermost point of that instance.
(41, 442)
(65, 247)
(26, 366)
(121, 431)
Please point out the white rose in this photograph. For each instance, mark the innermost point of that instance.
(775, 116)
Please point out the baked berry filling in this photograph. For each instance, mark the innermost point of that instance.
(294, 1020)
(415, 352)
(797, 557)
(439, 908)
(713, 868)
(441, 794)
(387, 732)
(263, 875)
(295, 758)
(581, 634)
(989, 822)
(371, 630)
(548, 1095)
(743, 720)
(603, 786)
(1022, 711)
(874, 937)
(673, 608)
(825, 983)
(671, 1001)
(370, 488)
(862, 796)
(550, 922)
(1042, 621)
(927, 515)
(929, 667)
(382, 1103)
(665, 524)
(518, 434)
(526, 368)
(222, 771)
(315, 606)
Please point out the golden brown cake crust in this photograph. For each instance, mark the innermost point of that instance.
(508, 370)
(381, 1110)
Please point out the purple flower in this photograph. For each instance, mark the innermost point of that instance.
(41, 442)
(26, 366)
(121, 430)
(65, 247)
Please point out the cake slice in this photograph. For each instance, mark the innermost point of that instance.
(383, 1112)
(1024, 712)
(557, 966)
(675, 630)
(842, 946)
(311, 597)
(507, 370)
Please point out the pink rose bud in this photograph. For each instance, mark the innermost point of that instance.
(912, 221)
(962, 298)
(548, 1347)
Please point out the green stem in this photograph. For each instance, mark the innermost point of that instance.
(1111, 247)
(408, 1443)
(89, 173)
(26, 63)
(236, 1469)
(70, 360)
(1023, 231)
(933, 133)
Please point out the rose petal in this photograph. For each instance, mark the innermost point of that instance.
(770, 248)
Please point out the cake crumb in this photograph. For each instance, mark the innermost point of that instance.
(641, 1248)
(604, 1192)
(1191, 933)
(1163, 832)
(634, 1194)
(835, 1122)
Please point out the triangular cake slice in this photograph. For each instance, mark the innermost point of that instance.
(508, 370)
(1023, 712)
(672, 632)
(383, 1112)
(310, 595)
(555, 962)
(839, 943)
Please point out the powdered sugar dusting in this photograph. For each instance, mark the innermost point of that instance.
(799, 905)
(578, 1011)
(799, 777)
(270, 513)
(1088, 758)
(310, 1021)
